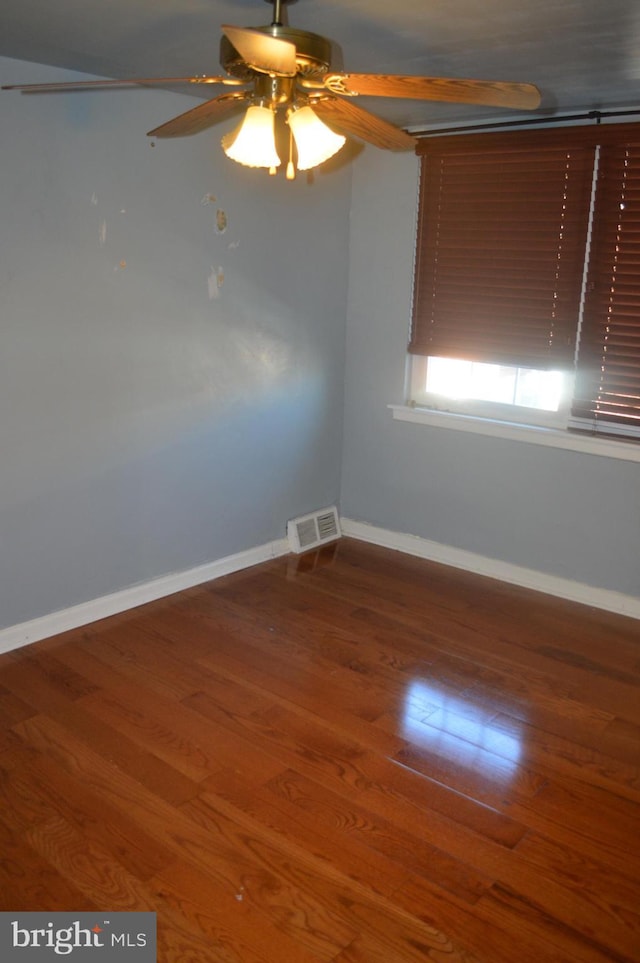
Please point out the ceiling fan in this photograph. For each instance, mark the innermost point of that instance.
(279, 69)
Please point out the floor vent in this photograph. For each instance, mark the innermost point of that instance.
(310, 531)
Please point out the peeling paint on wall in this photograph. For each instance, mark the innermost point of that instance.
(221, 221)
(215, 282)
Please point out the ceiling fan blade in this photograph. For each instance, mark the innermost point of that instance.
(64, 87)
(493, 93)
(264, 53)
(350, 119)
(199, 118)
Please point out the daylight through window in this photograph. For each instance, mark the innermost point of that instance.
(527, 279)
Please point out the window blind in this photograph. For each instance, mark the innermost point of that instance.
(500, 255)
(607, 392)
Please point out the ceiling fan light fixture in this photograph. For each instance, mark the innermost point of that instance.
(252, 143)
(315, 142)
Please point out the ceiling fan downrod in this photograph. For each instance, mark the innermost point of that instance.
(277, 13)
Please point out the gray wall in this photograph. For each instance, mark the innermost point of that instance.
(150, 420)
(563, 513)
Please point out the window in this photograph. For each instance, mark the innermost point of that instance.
(527, 280)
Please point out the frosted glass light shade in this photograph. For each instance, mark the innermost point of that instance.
(315, 141)
(252, 143)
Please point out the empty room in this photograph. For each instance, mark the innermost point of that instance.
(320, 481)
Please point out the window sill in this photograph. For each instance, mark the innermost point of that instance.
(531, 434)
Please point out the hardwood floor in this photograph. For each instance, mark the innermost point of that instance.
(354, 756)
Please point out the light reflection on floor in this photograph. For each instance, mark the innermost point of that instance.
(449, 725)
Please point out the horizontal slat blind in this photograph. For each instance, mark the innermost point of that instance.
(500, 254)
(607, 390)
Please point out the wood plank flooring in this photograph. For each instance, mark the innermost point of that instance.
(350, 756)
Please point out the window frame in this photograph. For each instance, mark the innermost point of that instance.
(606, 446)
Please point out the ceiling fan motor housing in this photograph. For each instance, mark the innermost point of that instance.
(313, 52)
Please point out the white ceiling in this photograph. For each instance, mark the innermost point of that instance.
(583, 54)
